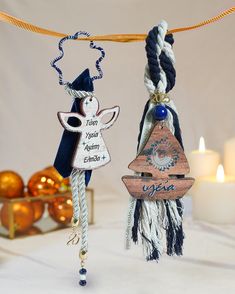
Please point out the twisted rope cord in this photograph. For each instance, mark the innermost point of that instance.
(84, 211)
(160, 72)
(160, 80)
(77, 94)
(154, 46)
(61, 55)
(167, 61)
(75, 194)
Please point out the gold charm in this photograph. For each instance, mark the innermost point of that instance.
(74, 237)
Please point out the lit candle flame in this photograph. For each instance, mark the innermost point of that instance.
(202, 146)
(220, 174)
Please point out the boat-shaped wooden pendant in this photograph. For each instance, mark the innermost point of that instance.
(161, 161)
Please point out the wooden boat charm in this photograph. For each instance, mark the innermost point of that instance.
(163, 165)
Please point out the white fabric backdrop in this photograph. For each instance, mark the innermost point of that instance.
(30, 94)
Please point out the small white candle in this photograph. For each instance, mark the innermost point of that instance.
(229, 157)
(214, 199)
(203, 162)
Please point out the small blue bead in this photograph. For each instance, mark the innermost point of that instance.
(82, 271)
(82, 282)
(160, 112)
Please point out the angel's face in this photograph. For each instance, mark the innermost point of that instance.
(90, 105)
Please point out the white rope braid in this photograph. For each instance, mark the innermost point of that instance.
(75, 234)
(84, 211)
(75, 193)
(77, 94)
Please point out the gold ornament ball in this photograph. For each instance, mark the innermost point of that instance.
(23, 216)
(61, 210)
(43, 183)
(38, 209)
(11, 184)
(54, 173)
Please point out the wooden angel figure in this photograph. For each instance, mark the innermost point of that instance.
(91, 151)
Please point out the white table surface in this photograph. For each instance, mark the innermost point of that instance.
(44, 264)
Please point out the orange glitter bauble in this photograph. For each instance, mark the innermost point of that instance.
(61, 210)
(11, 184)
(54, 173)
(43, 183)
(23, 216)
(38, 209)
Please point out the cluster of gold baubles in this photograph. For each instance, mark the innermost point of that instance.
(26, 213)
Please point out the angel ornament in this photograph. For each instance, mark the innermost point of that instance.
(82, 147)
(91, 151)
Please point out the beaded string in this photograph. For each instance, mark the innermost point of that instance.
(77, 177)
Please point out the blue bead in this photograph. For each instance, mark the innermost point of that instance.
(160, 112)
(82, 271)
(82, 282)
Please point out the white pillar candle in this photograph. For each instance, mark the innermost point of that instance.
(214, 199)
(229, 157)
(203, 162)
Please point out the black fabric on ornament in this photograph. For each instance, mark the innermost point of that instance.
(69, 140)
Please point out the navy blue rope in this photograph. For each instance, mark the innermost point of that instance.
(151, 51)
(165, 62)
(92, 45)
(169, 70)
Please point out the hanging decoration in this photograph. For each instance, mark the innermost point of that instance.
(82, 147)
(155, 204)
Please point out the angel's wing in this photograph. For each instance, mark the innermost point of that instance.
(115, 111)
(64, 117)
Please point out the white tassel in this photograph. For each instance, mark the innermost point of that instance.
(153, 219)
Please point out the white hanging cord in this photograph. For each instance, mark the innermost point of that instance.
(77, 94)
(84, 211)
(75, 235)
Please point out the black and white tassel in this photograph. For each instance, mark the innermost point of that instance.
(149, 220)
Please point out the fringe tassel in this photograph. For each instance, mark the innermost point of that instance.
(168, 215)
(137, 215)
(179, 233)
(174, 230)
(151, 229)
